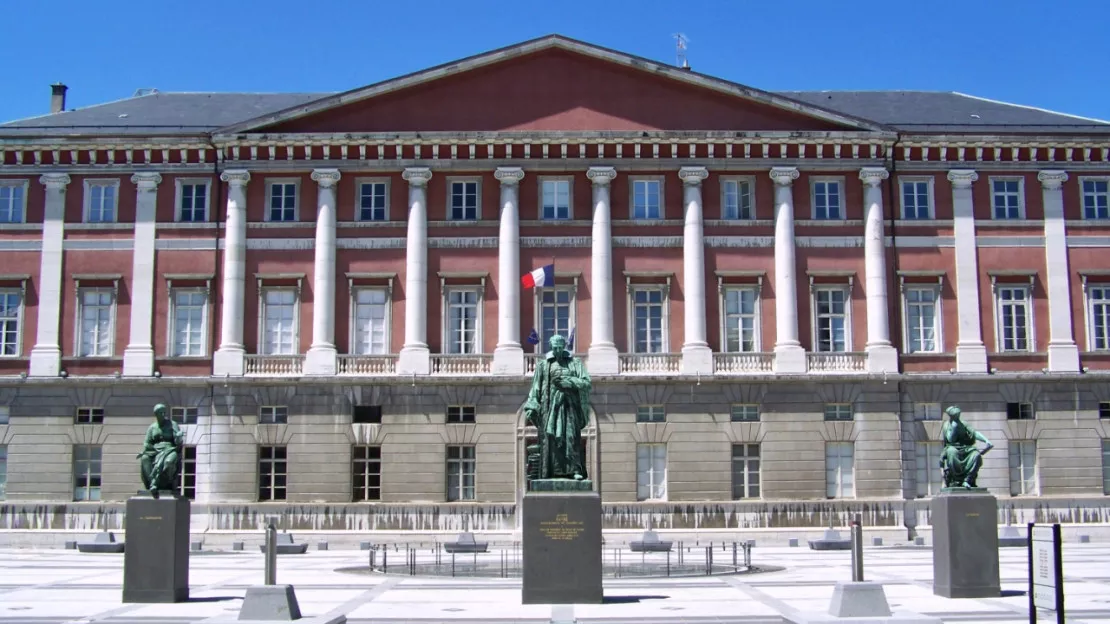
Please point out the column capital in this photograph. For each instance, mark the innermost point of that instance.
(601, 176)
(962, 178)
(55, 181)
(693, 175)
(147, 181)
(509, 176)
(1053, 179)
(236, 177)
(784, 176)
(326, 178)
(873, 176)
(417, 176)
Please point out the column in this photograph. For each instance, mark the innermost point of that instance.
(882, 357)
(46, 355)
(971, 353)
(697, 357)
(321, 356)
(508, 356)
(1063, 354)
(138, 357)
(790, 357)
(415, 358)
(603, 357)
(229, 358)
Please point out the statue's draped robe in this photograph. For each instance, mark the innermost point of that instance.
(563, 414)
(161, 453)
(960, 456)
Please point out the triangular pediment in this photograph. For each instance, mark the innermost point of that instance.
(552, 84)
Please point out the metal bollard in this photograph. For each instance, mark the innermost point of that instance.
(271, 555)
(857, 550)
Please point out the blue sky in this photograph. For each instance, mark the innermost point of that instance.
(1037, 53)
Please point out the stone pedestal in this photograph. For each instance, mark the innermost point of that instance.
(562, 548)
(156, 562)
(965, 544)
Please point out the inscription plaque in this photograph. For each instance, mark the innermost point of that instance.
(562, 548)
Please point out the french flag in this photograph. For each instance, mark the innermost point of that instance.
(543, 276)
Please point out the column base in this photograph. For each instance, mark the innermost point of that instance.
(697, 359)
(603, 360)
(138, 361)
(45, 361)
(1063, 357)
(789, 359)
(229, 362)
(882, 359)
(321, 360)
(971, 358)
(508, 360)
(414, 360)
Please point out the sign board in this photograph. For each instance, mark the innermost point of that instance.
(1046, 575)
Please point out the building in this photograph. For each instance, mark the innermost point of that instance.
(776, 294)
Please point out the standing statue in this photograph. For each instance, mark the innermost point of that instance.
(162, 452)
(961, 458)
(558, 405)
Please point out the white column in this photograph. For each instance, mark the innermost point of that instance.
(790, 357)
(508, 357)
(971, 353)
(882, 357)
(415, 358)
(229, 358)
(321, 356)
(603, 356)
(697, 357)
(1063, 354)
(138, 357)
(46, 355)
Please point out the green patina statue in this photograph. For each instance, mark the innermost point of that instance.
(558, 405)
(162, 452)
(961, 458)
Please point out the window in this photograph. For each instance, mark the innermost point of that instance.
(273, 473)
(460, 414)
(556, 307)
(1104, 409)
(12, 202)
(462, 320)
(11, 320)
(648, 311)
(651, 413)
(745, 471)
(555, 199)
(740, 320)
(838, 411)
(5, 414)
(371, 329)
(926, 411)
(1096, 199)
(651, 472)
(192, 201)
(89, 416)
(1020, 411)
(916, 199)
(736, 200)
(745, 412)
(366, 414)
(1098, 310)
(279, 321)
(840, 470)
(188, 319)
(184, 415)
(3, 472)
(922, 320)
(373, 201)
(463, 200)
(187, 477)
(273, 415)
(1023, 467)
(366, 473)
(1106, 466)
(460, 473)
(832, 319)
(929, 477)
(100, 201)
(827, 200)
(1006, 198)
(647, 199)
(282, 201)
(86, 472)
(96, 311)
(1013, 319)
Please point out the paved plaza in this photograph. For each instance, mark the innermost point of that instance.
(46, 586)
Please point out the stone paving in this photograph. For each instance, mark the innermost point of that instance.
(47, 586)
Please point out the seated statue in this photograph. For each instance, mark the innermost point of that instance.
(162, 452)
(961, 459)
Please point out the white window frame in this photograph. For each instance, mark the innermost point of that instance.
(930, 208)
(662, 182)
(1017, 449)
(171, 333)
(182, 415)
(738, 180)
(81, 481)
(938, 323)
(665, 289)
(839, 412)
(479, 329)
(741, 412)
(20, 317)
(354, 345)
(87, 199)
(569, 181)
(358, 198)
(1083, 197)
(757, 317)
(179, 195)
(112, 311)
(273, 473)
(273, 414)
(839, 484)
(651, 413)
(746, 461)
(1030, 320)
(1092, 317)
(23, 186)
(842, 209)
(188, 471)
(262, 291)
(461, 414)
(270, 182)
(655, 484)
(927, 410)
(928, 480)
(363, 467)
(86, 415)
(1020, 194)
(847, 290)
(461, 464)
(3, 472)
(451, 182)
(572, 321)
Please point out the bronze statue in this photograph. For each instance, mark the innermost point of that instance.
(162, 451)
(961, 458)
(558, 405)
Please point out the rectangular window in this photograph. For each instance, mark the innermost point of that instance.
(745, 471)
(1020, 411)
(926, 411)
(373, 198)
(190, 311)
(740, 315)
(838, 411)
(461, 468)
(12, 201)
(86, 472)
(646, 199)
(192, 205)
(555, 311)
(1013, 321)
(461, 414)
(96, 311)
(827, 200)
(1098, 310)
(1023, 467)
(100, 201)
(927, 460)
(371, 329)
(11, 320)
(922, 320)
(273, 473)
(1006, 198)
(462, 320)
(1104, 409)
(89, 416)
(915, 199)
(279, 321)
(744, 412)
(651, 472)
(187, 478)
(273, 415)
(736, 203)
(651, 413)
(464, 200)
(1096, 199)
(5, 414)
(840, 470)
(283, 201)
(3, 472)
(184, 415)
(555, 195)
(366, 473)
(1106, 466)
(366, 414)
(647, 311)
(832, 319)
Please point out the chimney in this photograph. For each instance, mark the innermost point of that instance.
(58, 97)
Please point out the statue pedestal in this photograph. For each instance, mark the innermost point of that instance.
(156, 562)
(562, 545)
(965, 544)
